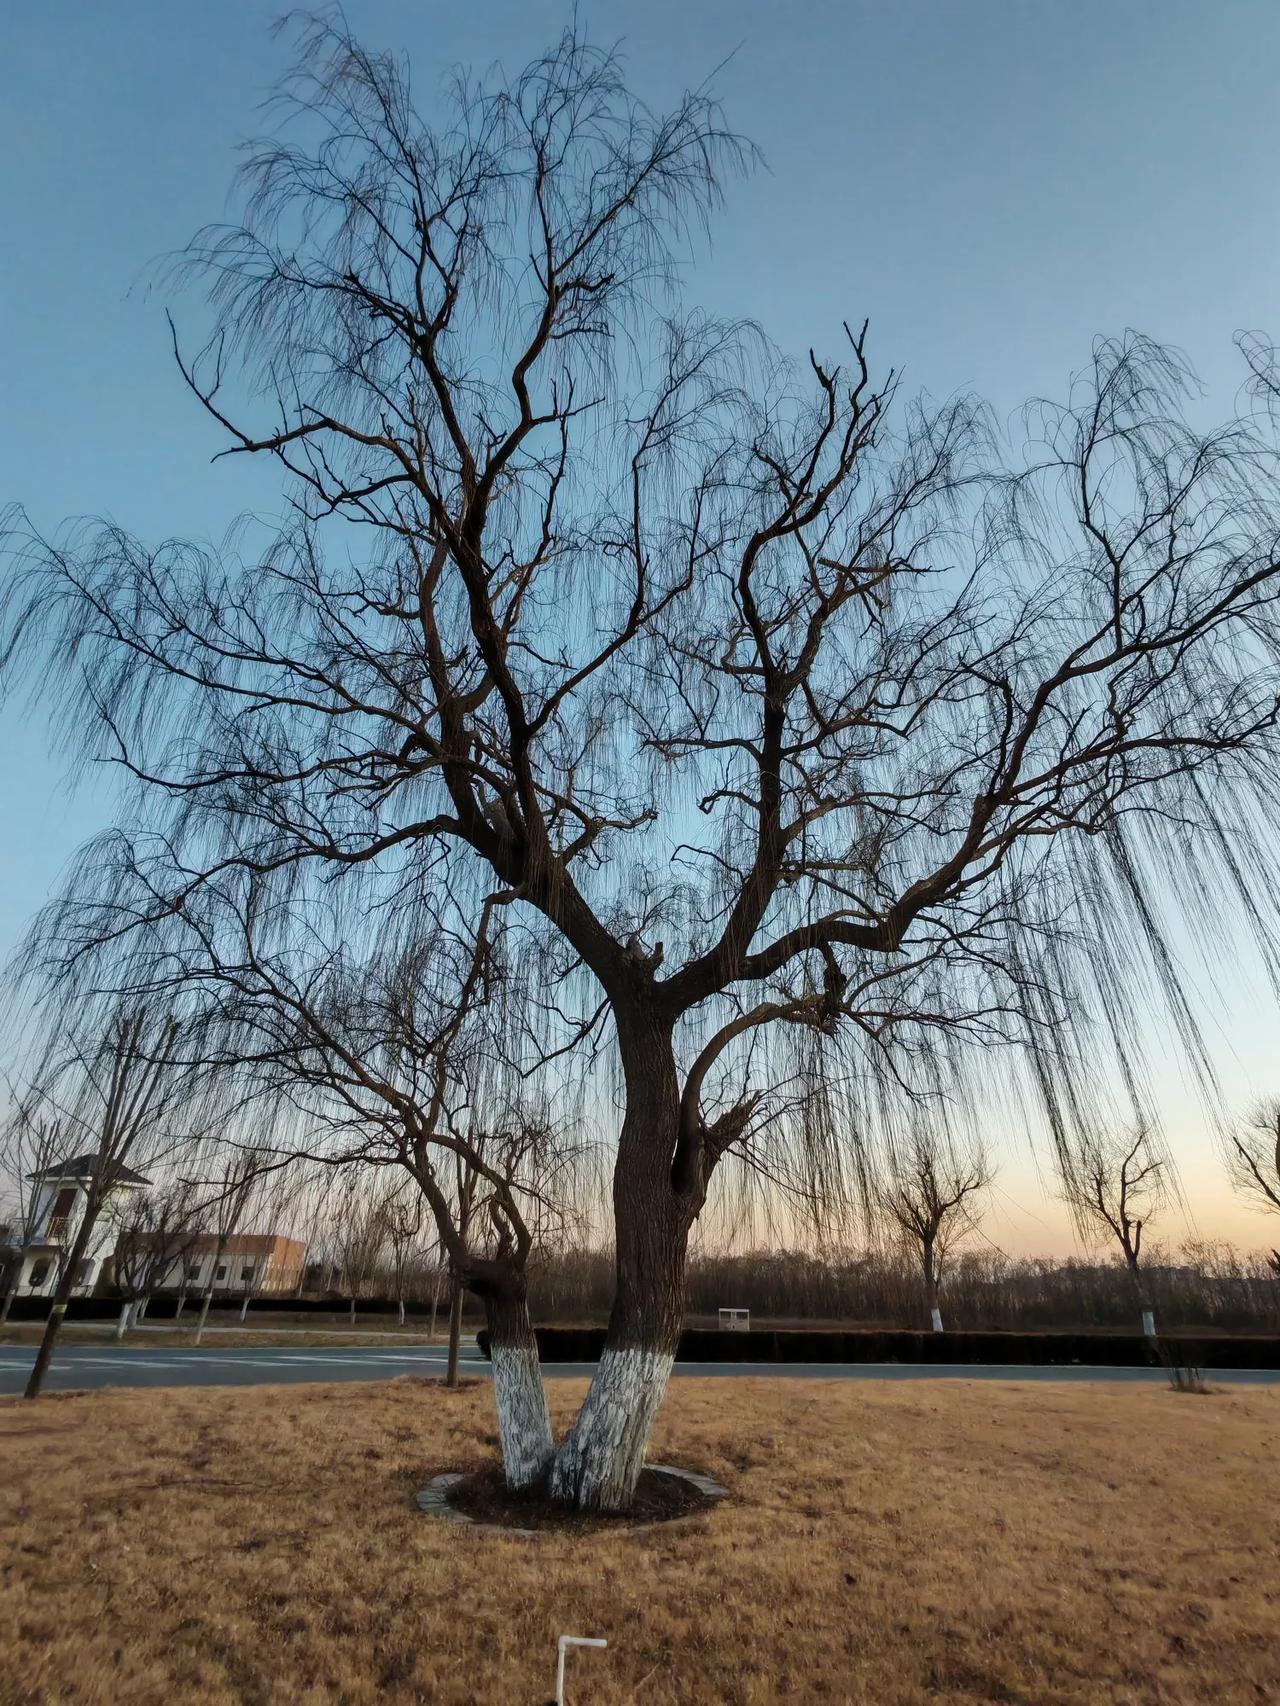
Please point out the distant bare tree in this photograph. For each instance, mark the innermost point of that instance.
(156, 1231)
(359, 1233)
(402, 1219)
(1253, 1158)
(30, 1144)
(1116, 1185)
(774, 710)
(930, 1193)
(121, 1091)
(227, 1179)
(271, 1204)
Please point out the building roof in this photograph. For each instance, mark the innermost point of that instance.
(86, 1167)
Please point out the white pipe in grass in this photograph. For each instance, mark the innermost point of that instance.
(562, 1646)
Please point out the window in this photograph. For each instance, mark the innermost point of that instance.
(39, 1272)
(193, 1273)
(221, 1273)
(246, 1274)
(61, 1211)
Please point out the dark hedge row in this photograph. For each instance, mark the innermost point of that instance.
(1111, 1350)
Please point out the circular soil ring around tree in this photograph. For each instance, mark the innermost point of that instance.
(480, 1498)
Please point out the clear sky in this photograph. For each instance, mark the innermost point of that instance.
(991, 182)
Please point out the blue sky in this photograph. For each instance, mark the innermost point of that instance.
(992, 184)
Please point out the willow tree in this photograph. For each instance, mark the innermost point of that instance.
(930, 1191)
(380, 1052)
(800, 727)
(1115, 1184)
(1253, 1159)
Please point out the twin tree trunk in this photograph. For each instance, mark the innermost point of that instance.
(598, 1463)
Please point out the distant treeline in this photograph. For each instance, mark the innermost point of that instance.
(1203, 1286)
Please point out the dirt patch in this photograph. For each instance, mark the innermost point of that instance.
(660, 1497)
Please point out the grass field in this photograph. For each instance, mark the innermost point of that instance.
(914, 1542)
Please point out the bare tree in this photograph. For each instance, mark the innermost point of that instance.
(227, 1178)
(121, 1090)
(392, 1061)
(29, 1146)
(791, 724)
(156, 1231)
(1116, 1184)
(359, 1233)
(1253, 1156)
(402, 1220)
(929, 1193)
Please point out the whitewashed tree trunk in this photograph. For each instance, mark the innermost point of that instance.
(1149, 1323)
(205, 1301)
(181, 1303)
(524, 1423)
(244, 1306)
(122, 1320)
(600, 1459)
(936, 1316)
(401, 1311)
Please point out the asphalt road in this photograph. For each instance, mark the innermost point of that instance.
(77, 1367)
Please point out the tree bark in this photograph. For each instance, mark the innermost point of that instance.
(455, 1332)
(524, 1423)
(204, 1311)
(400, 1310)
(931, 1290)
(61, 1296)
(1143, 1299)
(600, 1459)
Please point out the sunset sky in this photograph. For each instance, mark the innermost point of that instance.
(992, 185)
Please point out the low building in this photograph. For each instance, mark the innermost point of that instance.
(61, 1196)
(261, 1264)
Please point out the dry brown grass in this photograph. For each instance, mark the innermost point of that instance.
(895, 1543)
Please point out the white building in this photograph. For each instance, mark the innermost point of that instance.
(61, 1193)
(257, 1263)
